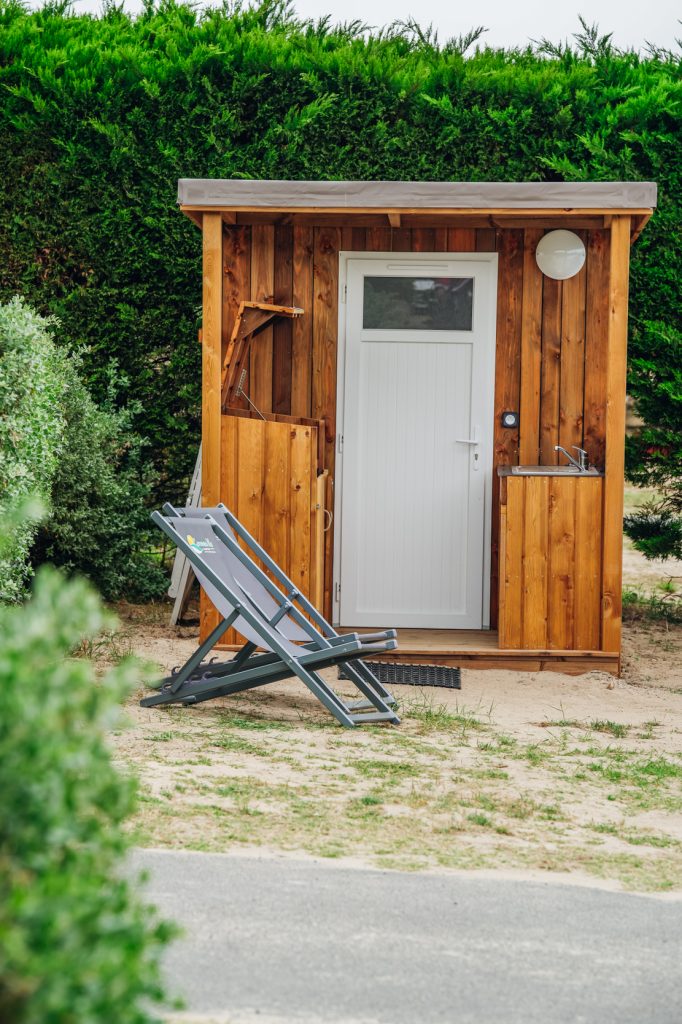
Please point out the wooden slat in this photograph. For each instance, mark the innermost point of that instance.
(596, 345)
(302, 328)
(236, 278)
(423, 240)
(276, 478)
(502, 592)
(229, 477)
(531, 352)
(211, 353)
(262, 290)
(486, 240)
(615, 433)
(300, 523)
(587, 568)
(251, 456)
(379, 239)
(461, 239)
(359, 239)
(513, 567)
(507, 378)
(319, 499)
(237, 275)
(550, 376)
(325, 333)
(440, 239)
(401, 240)
(561, 545)
(283, 328)
(535, 582)
(572, 361)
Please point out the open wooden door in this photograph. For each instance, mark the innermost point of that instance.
(273, 481)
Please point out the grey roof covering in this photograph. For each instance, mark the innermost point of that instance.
(228, 193)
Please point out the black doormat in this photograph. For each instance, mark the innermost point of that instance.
(401, 674)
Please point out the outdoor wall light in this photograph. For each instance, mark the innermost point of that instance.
(560, 254)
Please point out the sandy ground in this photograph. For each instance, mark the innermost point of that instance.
(518, 771)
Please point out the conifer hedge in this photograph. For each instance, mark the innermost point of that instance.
(99, 116)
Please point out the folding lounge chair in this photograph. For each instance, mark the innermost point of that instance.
(269, 620)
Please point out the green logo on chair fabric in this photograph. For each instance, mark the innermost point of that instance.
(202, 547)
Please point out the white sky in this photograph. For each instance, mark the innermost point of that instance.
(510, 22)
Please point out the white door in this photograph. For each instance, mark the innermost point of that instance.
(416, 385)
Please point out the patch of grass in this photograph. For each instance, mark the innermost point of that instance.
(501, 744)
(613, 728)
(478, 818)
(647, 732)
(160, 737)
(437, 717)
(641, 607)
(238, 745)
(386, 769)
(239, 722)
(111, 645)
(536, 754)
(640, 839)
(604, 827)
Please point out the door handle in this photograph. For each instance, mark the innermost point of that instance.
(474, 442)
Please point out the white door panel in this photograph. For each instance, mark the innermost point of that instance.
(412, 505)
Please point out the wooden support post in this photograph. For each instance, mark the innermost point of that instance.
(211, 363)
(612, 558)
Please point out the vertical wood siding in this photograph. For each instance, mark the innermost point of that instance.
(551, 594)
(552, 336)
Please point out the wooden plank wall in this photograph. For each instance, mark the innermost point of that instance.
(548, 332)
(551, 558)
(269, 480)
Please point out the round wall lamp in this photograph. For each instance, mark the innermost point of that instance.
(560, 254)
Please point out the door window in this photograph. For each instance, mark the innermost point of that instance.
(418, 303)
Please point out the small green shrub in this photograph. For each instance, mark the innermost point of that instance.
(31, 428)
(76, 944)
(99, 522)
(641, 607)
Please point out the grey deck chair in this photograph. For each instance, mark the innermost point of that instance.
(208, 552)
(293, 622)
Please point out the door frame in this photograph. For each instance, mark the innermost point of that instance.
(422, 261)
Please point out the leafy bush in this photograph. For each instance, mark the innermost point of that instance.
(99, 117)
(654, 454)
(99, 520)
(31, 427)
(76, 944)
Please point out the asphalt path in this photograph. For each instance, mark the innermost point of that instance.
(274, 939)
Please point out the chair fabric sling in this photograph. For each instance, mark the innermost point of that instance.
(211, 552)
(293, 624)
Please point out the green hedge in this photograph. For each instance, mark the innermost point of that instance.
(100, 116)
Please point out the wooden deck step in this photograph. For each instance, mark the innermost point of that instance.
(471, 648)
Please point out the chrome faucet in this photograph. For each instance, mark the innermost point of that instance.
(580, 463)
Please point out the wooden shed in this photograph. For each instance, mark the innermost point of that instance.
(380, 358)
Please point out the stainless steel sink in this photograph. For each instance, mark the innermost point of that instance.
(553, 471)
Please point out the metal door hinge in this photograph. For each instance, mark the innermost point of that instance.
(339, 443)
(337, 593)
(344, 293)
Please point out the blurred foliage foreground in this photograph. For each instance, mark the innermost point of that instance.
(77, 944)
